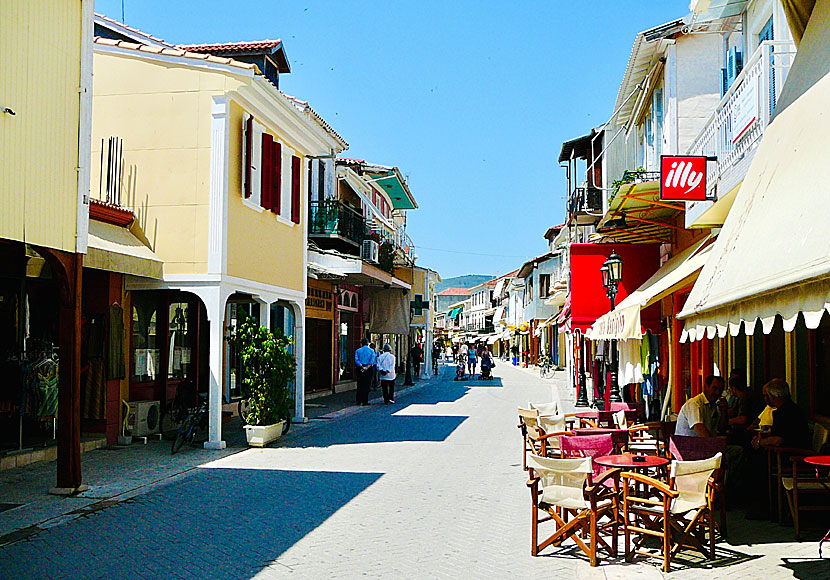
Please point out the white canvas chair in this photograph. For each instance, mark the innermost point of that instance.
(563, 490)
(537, 434)
(551, 408)
(679, 513)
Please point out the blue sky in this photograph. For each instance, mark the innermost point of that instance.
(472, 100)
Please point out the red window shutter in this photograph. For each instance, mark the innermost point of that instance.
(276, 179)
(295, 189)
(249, 139)
(266, 189)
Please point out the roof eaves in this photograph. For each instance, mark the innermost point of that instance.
(306, 108)
(138, 35)
(176, 53)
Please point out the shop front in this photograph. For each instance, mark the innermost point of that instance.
(319, 368)
(350, 332)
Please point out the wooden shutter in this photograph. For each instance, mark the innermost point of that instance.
(247, 158)
(296, 165)
(276, 176)
(267, 171)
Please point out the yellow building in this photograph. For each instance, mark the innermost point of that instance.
(45, 104)
(214, 165)
(422, 312)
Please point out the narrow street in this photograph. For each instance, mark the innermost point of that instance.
(430, 487)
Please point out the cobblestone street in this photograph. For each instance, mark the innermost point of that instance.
(431, 487)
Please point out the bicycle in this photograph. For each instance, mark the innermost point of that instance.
(546, 368)
(197, 418)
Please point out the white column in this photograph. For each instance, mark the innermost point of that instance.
(214, 299)
(218, 207)
(299, 352)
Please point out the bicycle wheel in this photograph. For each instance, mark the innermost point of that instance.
(183, 434)
(244, 409)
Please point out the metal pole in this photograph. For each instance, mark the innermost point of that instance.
(614, 395)
(582, 390)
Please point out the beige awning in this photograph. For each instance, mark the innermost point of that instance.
(773, 255)
(117, 249)
(624, 322)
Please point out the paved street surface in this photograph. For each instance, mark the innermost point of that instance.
(431, 487)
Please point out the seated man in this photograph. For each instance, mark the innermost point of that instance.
(705, 414)
(789, 425)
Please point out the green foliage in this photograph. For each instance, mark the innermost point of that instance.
(386, 257)
(268, 369)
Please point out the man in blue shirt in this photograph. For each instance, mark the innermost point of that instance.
(365, 360)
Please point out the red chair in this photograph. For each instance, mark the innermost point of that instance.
(618, 436)
(695, 448)
(587, 446)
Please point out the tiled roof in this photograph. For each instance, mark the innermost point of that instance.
(175, 52)
(252, 45)
(306, 108)
(455, 292)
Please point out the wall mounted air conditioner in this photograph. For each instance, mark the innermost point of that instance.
(370, 251)
(144, 418)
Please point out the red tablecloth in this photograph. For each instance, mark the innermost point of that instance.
(626, 461)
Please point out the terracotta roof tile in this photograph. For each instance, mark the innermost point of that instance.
(175, 52)
(233, 46)
(455, 292)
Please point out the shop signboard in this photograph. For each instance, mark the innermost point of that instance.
(683, 178)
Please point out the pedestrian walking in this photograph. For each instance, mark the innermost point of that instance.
(375, 381)
(436, 354)
(417, 355)
(364, 359)
(472, 360)
(386, 370)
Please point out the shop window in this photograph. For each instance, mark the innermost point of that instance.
(145, 344)
(180, 342)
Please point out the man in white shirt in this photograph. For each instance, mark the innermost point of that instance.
(386, 370)
(703, 415)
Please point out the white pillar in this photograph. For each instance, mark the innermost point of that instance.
(299, 352)
(214, 299)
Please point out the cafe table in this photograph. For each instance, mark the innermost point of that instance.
(629, 462)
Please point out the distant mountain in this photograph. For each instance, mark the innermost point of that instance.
(466, 281)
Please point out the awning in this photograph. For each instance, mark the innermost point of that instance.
(492, 338)
(117, 249)
(624, 322)
(454, 312)
(499, 287)
(772, 256)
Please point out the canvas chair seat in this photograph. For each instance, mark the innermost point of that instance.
(806, 484)
(546, 408)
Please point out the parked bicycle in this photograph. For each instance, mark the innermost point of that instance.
(546, 368)
(196, 419)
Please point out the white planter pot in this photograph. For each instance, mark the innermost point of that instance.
(262, 435)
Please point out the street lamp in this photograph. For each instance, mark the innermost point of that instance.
(611, 277)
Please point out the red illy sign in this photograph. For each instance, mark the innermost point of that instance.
(682, 178)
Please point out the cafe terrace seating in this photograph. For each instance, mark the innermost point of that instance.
(678, 513)
(694, 448)
(803, 481)
(563, 490)
(539, 434)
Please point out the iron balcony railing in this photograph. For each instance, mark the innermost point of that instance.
(334, 218)
(585, 199)
(743, 114)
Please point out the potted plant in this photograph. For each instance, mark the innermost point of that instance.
(267, 369)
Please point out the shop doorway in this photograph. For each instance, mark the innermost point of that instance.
(318, 363)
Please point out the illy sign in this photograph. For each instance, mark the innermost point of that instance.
(683, 178)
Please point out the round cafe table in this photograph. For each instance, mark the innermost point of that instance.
(819, 461)
(587, 415)
(625, 461)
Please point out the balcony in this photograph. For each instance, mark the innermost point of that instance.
(585, 201)
(736, 126)
(335, 221)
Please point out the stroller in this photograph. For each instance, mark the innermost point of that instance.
(486, 366)
(460, 369)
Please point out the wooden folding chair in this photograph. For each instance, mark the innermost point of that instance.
(678, 513)
(778, 467)
(805, 481)
(687, 448)
(563, 490)
(538, 434)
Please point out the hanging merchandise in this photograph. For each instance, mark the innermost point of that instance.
(45, 386)
(630, 369)
(645, 356)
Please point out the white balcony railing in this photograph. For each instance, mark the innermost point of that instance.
(743, 114)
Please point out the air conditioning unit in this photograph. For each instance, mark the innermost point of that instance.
(370, 251)
(144, 418)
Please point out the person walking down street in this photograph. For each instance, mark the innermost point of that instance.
(364, 359)
(472, 360)
(373, 386)
(436, 354)
(386, 370)
(417, 354)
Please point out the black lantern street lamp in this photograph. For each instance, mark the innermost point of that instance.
(611, 277)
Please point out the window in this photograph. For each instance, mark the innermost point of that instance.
(296, 168)
(145, 342)
(544, 285)
(180, 342)
(262, 173)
